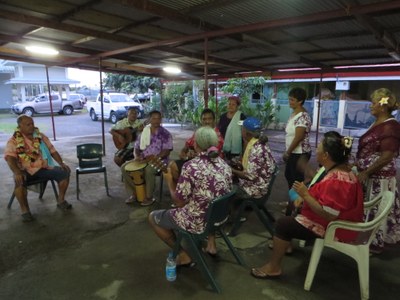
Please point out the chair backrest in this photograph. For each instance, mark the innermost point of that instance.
(218, 211)
(369, 205)
(265, 198)
(369, 228)
(90, 155)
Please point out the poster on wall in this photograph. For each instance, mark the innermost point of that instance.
(329, 113)
(357, 115)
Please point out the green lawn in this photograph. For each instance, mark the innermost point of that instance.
(6, 126)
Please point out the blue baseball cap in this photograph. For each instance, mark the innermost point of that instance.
(252, 124)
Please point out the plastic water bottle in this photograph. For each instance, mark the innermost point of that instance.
(170, 267)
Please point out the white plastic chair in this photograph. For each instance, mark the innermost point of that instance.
(358, 250)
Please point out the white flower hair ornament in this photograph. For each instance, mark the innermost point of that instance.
(383, 101)
(347, 142)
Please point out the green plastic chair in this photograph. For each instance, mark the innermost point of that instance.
(217, 215)
(90, 158)
(258, 205)
(42, 187)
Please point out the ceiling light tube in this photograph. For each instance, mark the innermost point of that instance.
(41, 50)
(172, 70)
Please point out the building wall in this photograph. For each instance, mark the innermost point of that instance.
(5, 92)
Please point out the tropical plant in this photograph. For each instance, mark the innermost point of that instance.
(244, 88)
(131, 84)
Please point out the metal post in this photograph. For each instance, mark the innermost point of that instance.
(206, 72)
(51, 103)
(102, 110)
(319, 110)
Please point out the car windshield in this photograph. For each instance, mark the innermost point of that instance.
(120, 98)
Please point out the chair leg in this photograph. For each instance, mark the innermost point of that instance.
(106, 182)
(203, 264)
(236, 221)
(161, 187)
(232, 248)
(363, 271)
(42, 189)
(54, 189)
(269, 215)
(312, 267)
(263, 216)
(11, 200)
(77, 185)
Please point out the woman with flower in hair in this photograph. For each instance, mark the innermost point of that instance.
(31, 156)
(203, 178)
(337, 196)
(376, 162)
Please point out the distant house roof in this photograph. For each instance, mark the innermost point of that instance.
(30, 80)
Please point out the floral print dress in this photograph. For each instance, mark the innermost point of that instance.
(202, 180)
(382, 137)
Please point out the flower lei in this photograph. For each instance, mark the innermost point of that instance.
(21, 151)
(383, 101)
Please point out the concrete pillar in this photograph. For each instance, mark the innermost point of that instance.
(315, 115)
(341, 114)
(23, 92)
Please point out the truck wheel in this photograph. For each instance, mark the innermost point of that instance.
(28, 111)
(93, 115)
(68, 110)
(113, 118)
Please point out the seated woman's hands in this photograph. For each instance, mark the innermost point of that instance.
(300, 189)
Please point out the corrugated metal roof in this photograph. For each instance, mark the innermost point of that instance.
(139, 37)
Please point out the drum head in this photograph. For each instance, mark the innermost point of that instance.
(134, 166)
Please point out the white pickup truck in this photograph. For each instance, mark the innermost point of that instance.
(41, 104)
(115, 107)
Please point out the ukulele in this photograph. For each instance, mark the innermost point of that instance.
(128, 134)
(157, 164)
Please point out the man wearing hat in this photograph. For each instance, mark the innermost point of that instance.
(258, 162)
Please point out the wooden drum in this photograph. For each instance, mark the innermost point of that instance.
(136, 171)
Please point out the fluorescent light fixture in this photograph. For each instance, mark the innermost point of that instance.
(299, 69)
(172, 70)
(42, 50)
(368, 66)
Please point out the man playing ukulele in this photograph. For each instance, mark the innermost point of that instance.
(124, 134)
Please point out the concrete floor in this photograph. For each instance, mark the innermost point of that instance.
(104, 249)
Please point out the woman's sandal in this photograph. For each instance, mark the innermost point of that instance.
(262, 275)
(187, 265)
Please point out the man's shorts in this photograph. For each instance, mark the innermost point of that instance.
(57, 173)
(163, 218)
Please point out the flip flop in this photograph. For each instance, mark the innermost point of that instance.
(148, 202)
(130, 200)
(261, 275)
(188, 265)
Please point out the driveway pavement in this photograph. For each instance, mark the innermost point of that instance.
(104, 249)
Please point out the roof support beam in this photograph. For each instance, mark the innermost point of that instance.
(306, 19)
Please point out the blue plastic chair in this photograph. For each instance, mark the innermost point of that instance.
(217, 215)
(258, 205)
